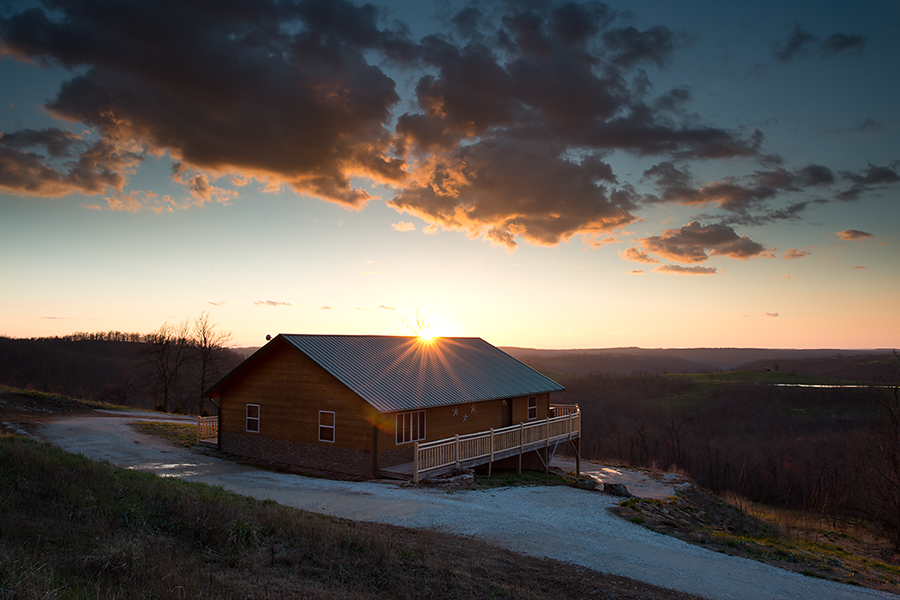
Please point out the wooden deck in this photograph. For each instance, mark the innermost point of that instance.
(208, 432)
(486, 447)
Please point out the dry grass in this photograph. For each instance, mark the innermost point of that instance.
(792, 540)
(74, 528)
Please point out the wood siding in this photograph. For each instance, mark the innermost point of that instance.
(290, 390)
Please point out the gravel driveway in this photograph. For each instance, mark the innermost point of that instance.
(557, 522)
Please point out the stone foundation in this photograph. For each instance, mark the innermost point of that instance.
(312, 456)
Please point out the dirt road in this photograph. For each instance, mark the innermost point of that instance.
(562, 523)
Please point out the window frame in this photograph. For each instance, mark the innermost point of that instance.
(325, 427)
(405, 430)
(532, 408)
(250, 418)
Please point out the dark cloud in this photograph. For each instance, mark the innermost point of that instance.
(854, 235)
(873, 177)
(841, 43)
(773, 315)
(694, 242)
(870, 126)
(631, 47)
(800, 42)
(796, 44)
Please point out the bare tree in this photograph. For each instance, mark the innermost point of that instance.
(208, 346)
(167, 353)
(418, 324)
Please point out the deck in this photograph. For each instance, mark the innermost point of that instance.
(486, 447)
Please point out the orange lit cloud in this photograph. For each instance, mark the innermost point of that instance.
(635, 255)
(793, 253)
(403, 226)
(853, 234)
(680, 270)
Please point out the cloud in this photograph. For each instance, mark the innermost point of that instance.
(796, 44)
(271, 303)
(793, 253)
(800, 42)
(870, 126)
(690, 244)
(403, 226)
(219, 303)
(768, 314)
(841, 43)
(860, 267)
(635, 255)
(53, 162)
(595, 241)
(853, 235)
(635, 272)
(681, 270)
(517, 108)
(383, 307)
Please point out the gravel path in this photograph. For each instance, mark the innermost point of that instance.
(557, 522)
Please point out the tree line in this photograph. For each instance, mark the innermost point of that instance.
(167, 369)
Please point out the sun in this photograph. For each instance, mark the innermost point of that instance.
(426, 335)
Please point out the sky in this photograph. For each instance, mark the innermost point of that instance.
(536, 173)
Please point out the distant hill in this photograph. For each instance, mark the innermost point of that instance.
(627, 361)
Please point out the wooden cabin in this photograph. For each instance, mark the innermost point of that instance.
(362, 405)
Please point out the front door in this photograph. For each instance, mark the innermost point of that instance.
(506, 412)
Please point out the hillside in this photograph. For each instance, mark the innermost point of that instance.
(844, 364)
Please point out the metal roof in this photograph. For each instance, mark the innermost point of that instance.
(395, 373)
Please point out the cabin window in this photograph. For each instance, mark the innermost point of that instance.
(326, 426)
(410, 427)
(532, 407)
(253, 418)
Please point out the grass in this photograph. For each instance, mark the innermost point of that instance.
(512, 479)
(793, 540)
(177, 433)
(74, 528)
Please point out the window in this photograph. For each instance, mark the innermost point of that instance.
(326, 426)
(253, 418)
(532, 407)
(410, 427)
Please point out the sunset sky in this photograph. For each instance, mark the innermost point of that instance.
(540, 174)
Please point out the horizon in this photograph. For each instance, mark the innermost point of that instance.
(559, 176)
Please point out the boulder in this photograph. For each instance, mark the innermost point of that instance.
(585, 483)
(616, 489)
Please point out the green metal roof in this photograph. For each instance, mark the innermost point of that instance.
(395, 373)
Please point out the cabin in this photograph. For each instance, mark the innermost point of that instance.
(392, 406)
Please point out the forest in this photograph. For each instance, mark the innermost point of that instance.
(831, 450)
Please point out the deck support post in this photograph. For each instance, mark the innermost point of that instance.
(521, 445)
(491, 464)
(547, 447)
(415, 462)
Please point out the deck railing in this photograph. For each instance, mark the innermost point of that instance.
(486, 444)
(207, 428)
